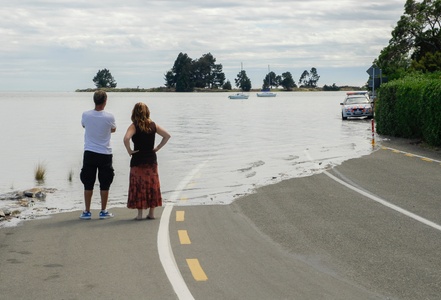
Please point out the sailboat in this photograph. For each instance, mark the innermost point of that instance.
(239, 95)
(267, 92)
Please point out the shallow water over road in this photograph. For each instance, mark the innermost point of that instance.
(225, 148)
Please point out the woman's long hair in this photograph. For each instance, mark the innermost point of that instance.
(141, 117)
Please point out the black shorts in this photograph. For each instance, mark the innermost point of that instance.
(91, 163)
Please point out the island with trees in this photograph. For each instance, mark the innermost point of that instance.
(204, 74)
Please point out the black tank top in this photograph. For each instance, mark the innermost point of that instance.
(144, 142)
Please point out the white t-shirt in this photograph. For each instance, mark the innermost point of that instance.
(98, 126)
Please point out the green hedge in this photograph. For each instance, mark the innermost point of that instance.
(410, 108)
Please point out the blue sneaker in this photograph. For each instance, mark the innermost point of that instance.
(104, 214)
(86, 215)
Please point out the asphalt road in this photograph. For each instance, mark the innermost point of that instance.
(315, 237)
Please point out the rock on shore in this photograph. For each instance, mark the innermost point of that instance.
(25, 198)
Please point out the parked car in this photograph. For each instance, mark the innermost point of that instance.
(357, 104)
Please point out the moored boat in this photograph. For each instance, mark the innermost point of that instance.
(266, 94)
(238, 96)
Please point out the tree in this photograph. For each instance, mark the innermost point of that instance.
(423, 34)
(219, 77)
(187, 74)
(309, 79)
(287, 81)
(392, 62)
(227, 85)
(303, 81)
(104, 79)
(242, 81)
(313, 77)
(332, 87)
(271, 80)
(206, 73)
(170, 81)
(416, 34)
(182, 71)
(429, 63)
(202, 70)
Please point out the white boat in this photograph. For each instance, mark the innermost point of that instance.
(238, 96)
(266, 94)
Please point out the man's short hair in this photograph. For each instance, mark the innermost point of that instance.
(99, 97)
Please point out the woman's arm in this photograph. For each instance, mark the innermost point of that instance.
(130, 132)
(165, 137)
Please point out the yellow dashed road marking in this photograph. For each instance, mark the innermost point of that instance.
(411, 155)
(183, 199)
(196, 270)
(180, 216)
(183, 237)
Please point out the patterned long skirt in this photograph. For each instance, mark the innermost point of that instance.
(144, 188)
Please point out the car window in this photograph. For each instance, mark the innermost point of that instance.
(357, 100)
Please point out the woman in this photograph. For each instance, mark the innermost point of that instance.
(144, 188)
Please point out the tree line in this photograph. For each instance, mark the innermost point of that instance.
(415, 46)
(187, 74)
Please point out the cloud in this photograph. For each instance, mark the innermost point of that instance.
(64, 43)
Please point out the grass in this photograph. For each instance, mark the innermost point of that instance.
(40, 172)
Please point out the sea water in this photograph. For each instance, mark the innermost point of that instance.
(220, 149)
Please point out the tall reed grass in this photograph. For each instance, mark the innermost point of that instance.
(70, 176)
(40, 172)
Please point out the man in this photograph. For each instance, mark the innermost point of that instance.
(99, 125)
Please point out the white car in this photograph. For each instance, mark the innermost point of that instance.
(357, 104)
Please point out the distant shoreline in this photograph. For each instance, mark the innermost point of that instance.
(167, 90)
(126, 90)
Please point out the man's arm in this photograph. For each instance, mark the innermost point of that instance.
(113, 124)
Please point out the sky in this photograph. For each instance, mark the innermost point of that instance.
(59, 45)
